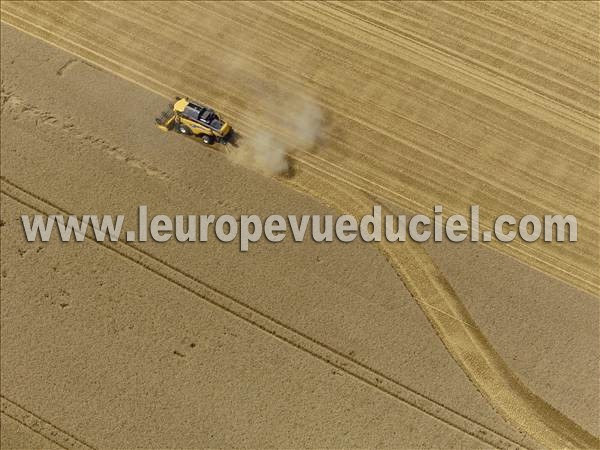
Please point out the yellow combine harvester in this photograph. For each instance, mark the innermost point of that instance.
(193, 119)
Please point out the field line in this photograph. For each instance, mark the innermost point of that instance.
(276, 329)
(41, 426)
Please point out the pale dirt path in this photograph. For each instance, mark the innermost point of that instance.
(460, 334)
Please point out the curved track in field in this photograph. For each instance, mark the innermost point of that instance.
(401, 158)
(458, 331)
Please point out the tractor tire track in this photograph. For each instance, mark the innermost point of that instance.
(460, 334)
(41, 426)
(273, 327)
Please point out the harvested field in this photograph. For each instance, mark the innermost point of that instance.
(407, 105)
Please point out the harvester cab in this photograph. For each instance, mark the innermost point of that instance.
(193, 119)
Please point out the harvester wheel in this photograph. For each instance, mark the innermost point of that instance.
(207, 139)
(183, 129)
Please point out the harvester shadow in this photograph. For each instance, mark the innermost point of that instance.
(235, 139)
